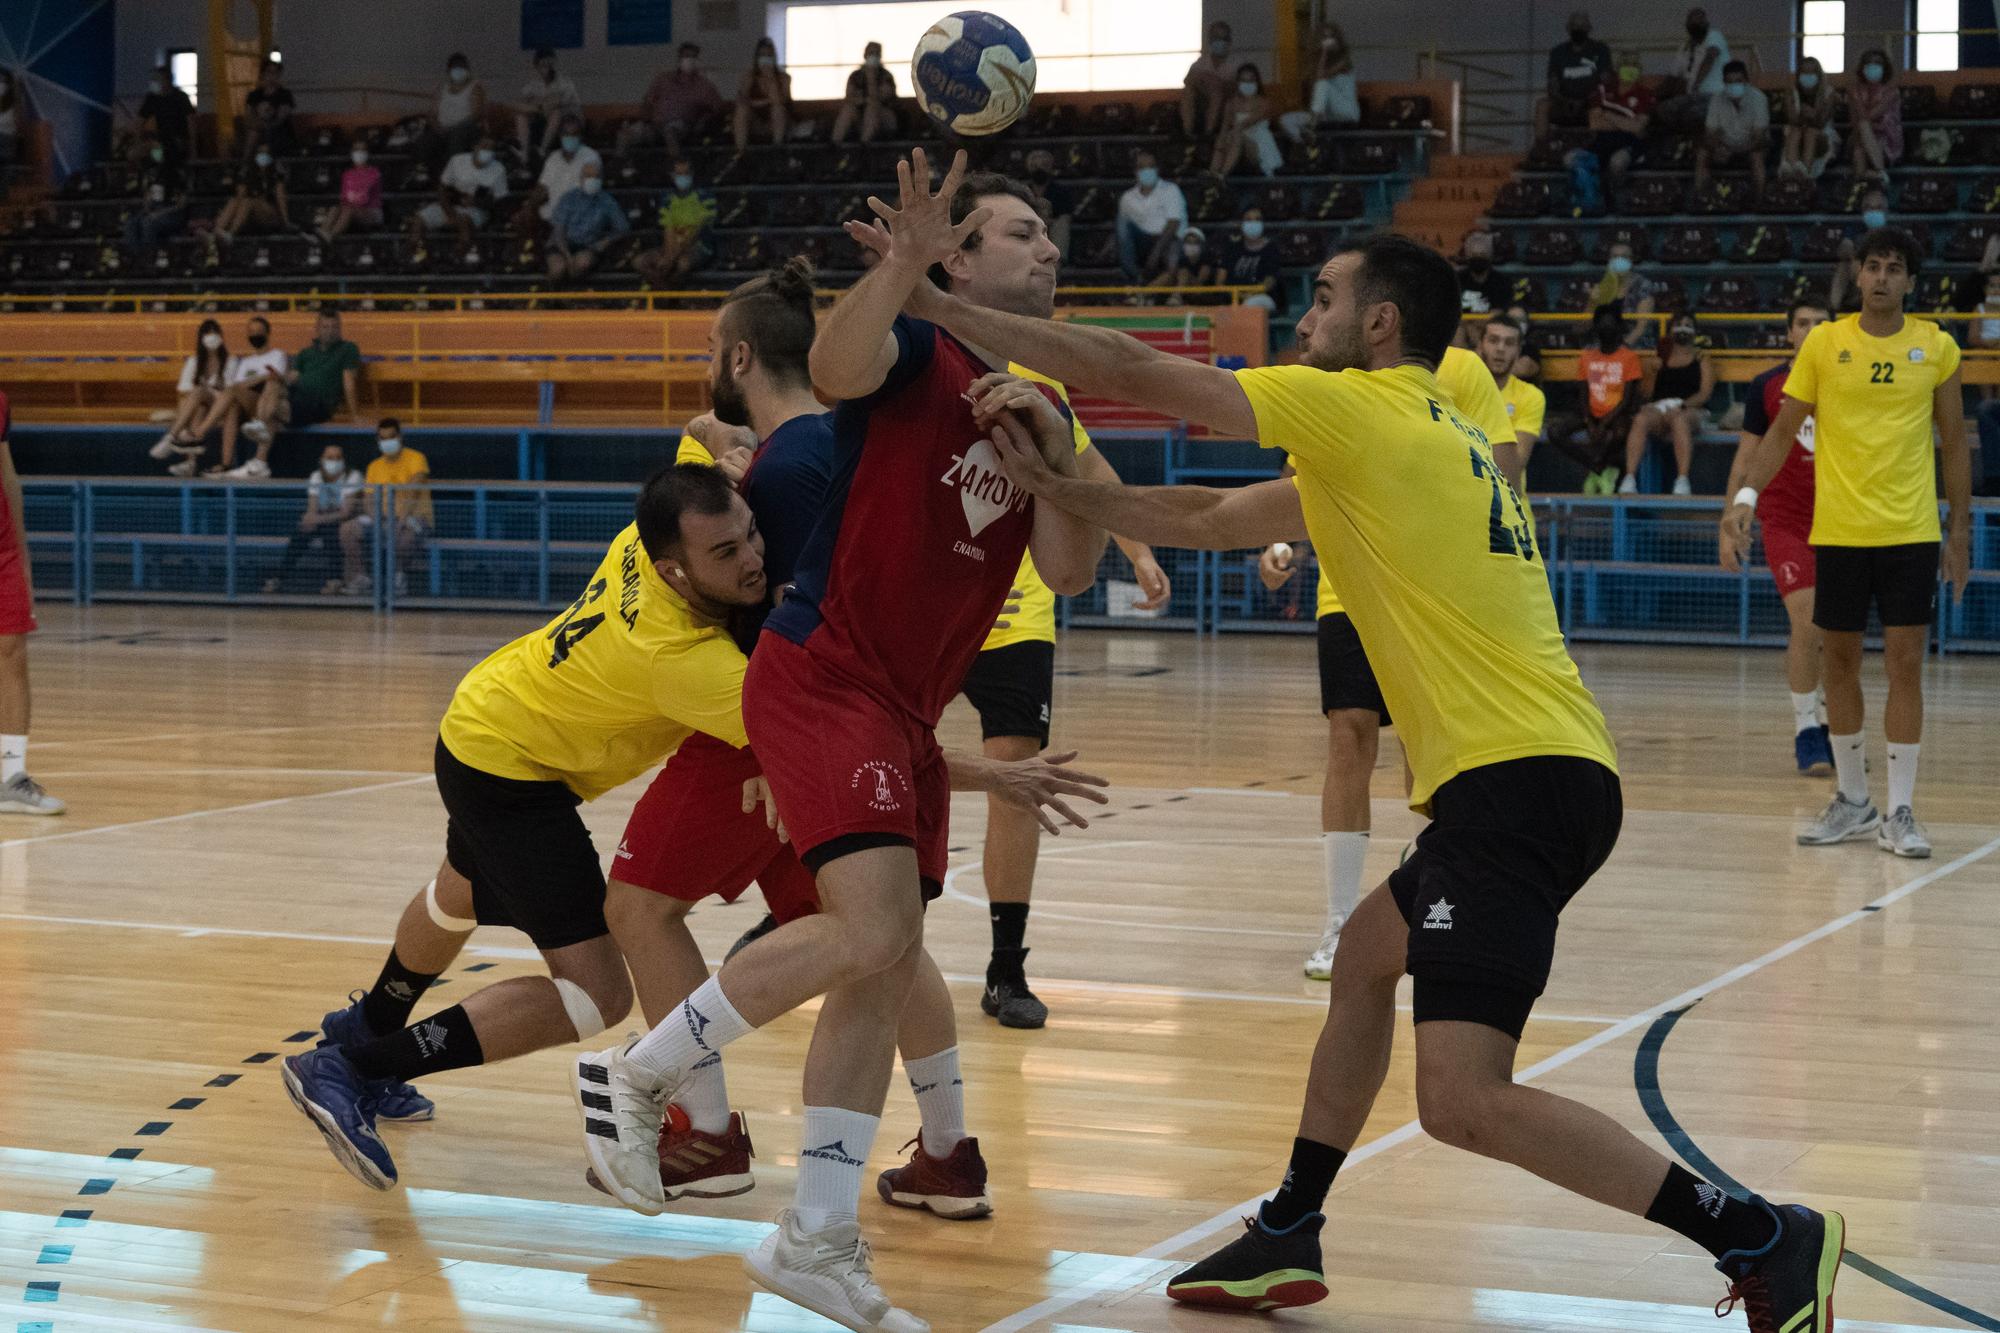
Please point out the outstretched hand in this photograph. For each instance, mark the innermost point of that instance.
(1733, 539)
(1031, 784)
(921, 232)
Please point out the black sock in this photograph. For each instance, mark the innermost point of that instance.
(1708, 1215)
(1307, 1180)
(1010, 927)
(443, 1041)
(388, 1003)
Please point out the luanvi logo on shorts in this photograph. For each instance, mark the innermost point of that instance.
(430, 1038)
(1440, 917)
(881, 783)
(832, 1152)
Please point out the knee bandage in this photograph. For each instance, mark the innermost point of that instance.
(582, 1010)
(442, 919)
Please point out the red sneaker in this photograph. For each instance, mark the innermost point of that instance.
(953, 1187)
(698, 1165)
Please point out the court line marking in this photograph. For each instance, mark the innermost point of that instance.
(218, 810)
(1060, 1301)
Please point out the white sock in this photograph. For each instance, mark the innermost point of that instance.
(704, 1023)
(940, 1099)
(1346, 854)
(1902, 775)
(1819, 705)
(1805, 710)
(832, 1152)
(704, 1095)
(13, 757)
(1850, 766)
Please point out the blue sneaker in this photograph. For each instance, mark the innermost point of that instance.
(1813, 748)
(334, 1097)
(393, 1101)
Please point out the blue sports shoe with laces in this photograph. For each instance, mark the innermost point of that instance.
(1813, 748)
(334, 1097)
(393, 1101)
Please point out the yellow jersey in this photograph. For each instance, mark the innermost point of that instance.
(1871, 398)
(1438, 561)
(604, 691)
(1469, 384)
(1527, 406)
(405, 467)
(1036, 620)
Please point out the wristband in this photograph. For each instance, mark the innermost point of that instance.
(1747, 496)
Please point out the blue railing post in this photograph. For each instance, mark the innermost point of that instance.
(229, 541)
(79, 520)
(524, 466)
(542, 546)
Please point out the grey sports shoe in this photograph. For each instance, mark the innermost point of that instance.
(1842, 821)
(1903, 835)
(24, 796)
(830, 1273)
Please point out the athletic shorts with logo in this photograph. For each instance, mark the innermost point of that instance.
(1346, 680)
(848, 771)
(1509, 844)
(1011, 687)
(689, 838)
(1900, 582)
(526, 851)
(1790, 556)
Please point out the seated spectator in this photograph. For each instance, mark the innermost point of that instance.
(259, 204)
(468, 188)
(253, 401)
(1194, 265)
(1843, 291)
(1702, 58)
(1058, 209)
(1150, 217)
(162, 211)
(549, 101)
(1246, 121)
(678, 102)
(1612, 378)
(167, 117)
(1811, 104)
(1481, 289)
(1676, 395)
(1628, 291)
(333, 498)
(1253, 261)
(1333, 98)
(1875, 121)
(685, 213)
(562, 171)
(1620, 114)
(583, 227)
(325, 374)
(1207, 85)
(458, 114)
(766, 90)
(1500, 349)
(360, 197)
(870, 99)
(1984, 332)
(266, 122)
(205, 377)
(1577, 68)
(1738, 126)
(407, 509)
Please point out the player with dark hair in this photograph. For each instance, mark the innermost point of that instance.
(1877, 385)
(1785, 509)
(1437, 562)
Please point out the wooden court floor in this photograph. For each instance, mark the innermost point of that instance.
(251, 806)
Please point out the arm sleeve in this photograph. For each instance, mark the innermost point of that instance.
(1179, 211)
(1755, 419)
(1532, 412)
(1305, 412)
(1803, 382)
(1947, 355)
(785, 490)
(187, 376)
(916, 346)
(700, 685)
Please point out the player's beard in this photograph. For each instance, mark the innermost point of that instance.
(1337, 346)
(726, 396)
(722, 604)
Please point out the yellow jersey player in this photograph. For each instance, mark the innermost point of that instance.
(1876, 386)
(1527, 406)
(1439, 570)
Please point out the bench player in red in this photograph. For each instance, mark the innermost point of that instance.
(19, 793)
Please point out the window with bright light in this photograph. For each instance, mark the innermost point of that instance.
(1823, 33)
(184, 68)
(1079, 45)
(1936, 25)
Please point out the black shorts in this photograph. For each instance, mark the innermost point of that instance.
(1012, 688)
(525, 849)
(1901, 582)
(1345, 678)
(1508, 846)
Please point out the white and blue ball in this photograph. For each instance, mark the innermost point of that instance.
(973, 72)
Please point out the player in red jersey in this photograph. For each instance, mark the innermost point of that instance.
(19, 793)
(907, 567)
(1785, 508)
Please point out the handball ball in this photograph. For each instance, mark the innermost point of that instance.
(973, 72)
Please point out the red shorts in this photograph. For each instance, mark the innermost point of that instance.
(1790, 557)
(17, 600)
(841, 763)
(689, 839)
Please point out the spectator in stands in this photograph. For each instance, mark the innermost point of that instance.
(1875, 121)
(254, 400)
(1810, 138)
(1058, 208)
(1621, 112)
(678, 102)
(586, 222)
(1738, 126)
(1195, 264)
(360, 196)
(1333, 98)
(1246, 122)
(408, 508)
(205, 378)
(1207, 85)
(1150, 217)
(167, 116)
(1612, 379)
(333, 498)
(685, 215)
(1985, 333)
(468, 189)
(1627, 290)
(1676, 393)
(870, 99)
(458, 115)
(766, 90)
(266, 122)
(260, 202)
(1843, 290)
(1481, 289)
(1253, 262)
(1577, 69)
(325, 375)
(549, 102)
(162, 211)
(1500, 349)
(1703, 56)
(562, 171)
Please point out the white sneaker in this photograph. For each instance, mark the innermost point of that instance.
(254, 470)
(1842, 821)
(828, 1272)
(257, 430)
(358, 586)
(1902, 835)
(622, 1106)
(184, 468)
(1629, 486)
(24, 796)
(167, 447)
(1682, 486)
(1319, 963)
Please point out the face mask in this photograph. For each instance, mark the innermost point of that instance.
(592, 184)
(571, 142)
(1579, 35)
(1697, 31)
(212, 341)
(1246, 88)
(459, 73)
(1736, 90)
(155, 85)
(1621, 264)
(1808, 81)
(687, 64)
(1253, 229)
(1684, 336)
(683, 182)
(1192, 251)
(157, 193)
(391, 446)
(1873, 73)
(1327, 43)
(484, 157)
(263, 159)
(1874, 218)
(1218, 49)
(872, 62)
(257, 340)
(1607, 339)
(1041, 175)
(159, 154)
(1149, 177)
(360, 156)
(333, 467)
(767, 62)
(1628, 73)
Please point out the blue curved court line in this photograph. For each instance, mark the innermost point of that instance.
(1646, 1077)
